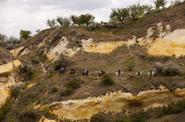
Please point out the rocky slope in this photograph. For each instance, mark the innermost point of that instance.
(134, 49)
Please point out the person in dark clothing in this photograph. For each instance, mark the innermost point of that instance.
(72, 72)
(62, 70)
(85, 73)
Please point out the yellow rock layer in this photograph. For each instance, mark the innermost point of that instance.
(113, 102)
(9, 67)
(163, 47)
(102, 47)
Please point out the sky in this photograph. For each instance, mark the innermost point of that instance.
(33, 14)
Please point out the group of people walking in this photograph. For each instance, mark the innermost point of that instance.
(85, 72)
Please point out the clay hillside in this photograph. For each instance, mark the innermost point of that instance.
(134, 73)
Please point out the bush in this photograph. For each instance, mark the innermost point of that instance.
(15, 92)
(173, 108)
(70, 87)
(133, 12)
(60, 62)
(5, 109)
(166, 69)
(107, 80)
(160, 3)
(26, 71)
(84, 19)
(121, 117)
(24, 34)
(29, 114)
(51, 23)
(119, 14)
(130, 64)
(64, 22)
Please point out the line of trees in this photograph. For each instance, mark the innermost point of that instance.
(81, 20)
(120, 15)
(4, 38)
(24, 35)
(135, 12)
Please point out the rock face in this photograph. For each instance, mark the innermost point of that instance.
(9, 67)
(114, 102)
(4, 93)
(61, 48)
(171, 44)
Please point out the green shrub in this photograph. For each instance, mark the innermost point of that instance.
(51, 23)
(29, 114)
(137, 11)
(130, 64)
(119, 14)
(24, 34)
(60, 62)
(160, 3)
(73, 84)
(107, 80)
(64, 22)
(54, 90)
(70, 87)
(137, 117)
(15, 92)
(26, 71)
(172, 108)
(5, 109)
(84, 19)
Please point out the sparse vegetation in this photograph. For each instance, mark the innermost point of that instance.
(172, 108)
(64, 22)
(5, 109)
(51, 23)
(26, 71)
(82, 20)
(138, 11)
(60, 62)
(111, 117)
(166, 69)
(70, 87)
(160, 4)
(29, 114)
(129, 63)
(107, 80)
(120, 14)
(25, 34)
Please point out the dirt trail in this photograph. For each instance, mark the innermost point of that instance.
(114, 102)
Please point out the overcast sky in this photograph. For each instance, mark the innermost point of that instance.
(32, 14)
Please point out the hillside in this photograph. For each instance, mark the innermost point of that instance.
(47, 92)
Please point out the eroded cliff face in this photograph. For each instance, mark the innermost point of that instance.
(6, 80)
(61, 48)
(171, 44)
(166, 44)
(114, 102)
(4, 93)
(9, 67)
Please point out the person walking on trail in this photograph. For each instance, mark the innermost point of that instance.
(72, 72)
(62, 70)
(101, 73)
(85, 73)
